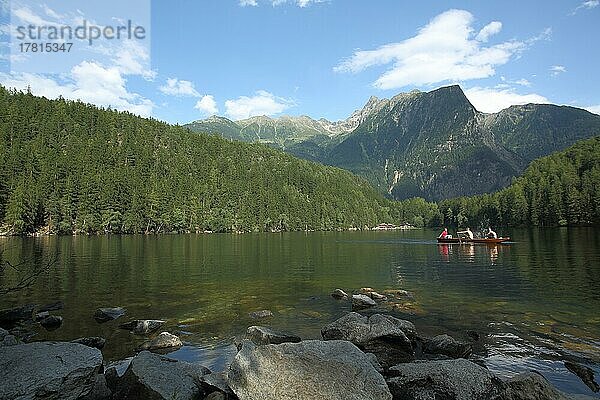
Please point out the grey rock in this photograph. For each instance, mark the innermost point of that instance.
(142, 326)
(443, 380)
(216, 382)
(360, 301)
(164, 340)
(447, 346)
(51, 322)
(108, 314)
(100, 390)
(48, 370)
(376, 296)
(10, 316)
(92, 341)
(41, 315)
(390, 339)
(216, 396)
(9, 340)
(112, 378)
(264, 335)
(154, 377)
(3, 332)
(310, 369)
(260, 314)
(586, 374)
(339, 294)
(58, 305)
(530, 386)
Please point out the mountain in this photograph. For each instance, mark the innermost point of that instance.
(430, 144)
(556, 190)
(69, 167)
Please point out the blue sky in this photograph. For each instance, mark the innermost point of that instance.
(325, 58)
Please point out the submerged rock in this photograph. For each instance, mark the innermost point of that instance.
(142, 326)
(310, 369)
(10, 316)
(260, 314)
(584, 373)
(339, 294)
(92, 341)
(444, 380)
(264, 335)
(164, 340)
(51, 322)
(390, 339)
(108, 314)
(46, 370)
(154, 377)
(446, 345)
(58, 305)
(360, 301)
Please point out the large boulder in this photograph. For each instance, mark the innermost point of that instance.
(154, 377)
(48, 370)
(444, 380)
(447, 346)
(530, 386)
(106, 314)
(390, 339)
(164, 340)
(264, 335)
(310, 369)
(142, 326)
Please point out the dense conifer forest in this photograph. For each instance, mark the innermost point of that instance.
(70, 167)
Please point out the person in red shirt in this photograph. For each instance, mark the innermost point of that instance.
(444, 234)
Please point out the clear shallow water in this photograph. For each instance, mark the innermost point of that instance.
(535, 302)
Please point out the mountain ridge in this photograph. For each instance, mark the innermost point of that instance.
(432, 144)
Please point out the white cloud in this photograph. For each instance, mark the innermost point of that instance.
(523, 82)
(207, 105)
(245, 3)
(588, 5)
(443, 50)
(594, 109)
(89, 82)
(492, 100)
(556, 70)
(489, 30)
(262, 103)
(176, 87)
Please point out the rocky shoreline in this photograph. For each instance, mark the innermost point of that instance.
(375, 356)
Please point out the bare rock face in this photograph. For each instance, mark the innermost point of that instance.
(310, 369)
(48, 370)
(447, 380)
(264, 335)
(154, 377)
(164, 340)
(390, 339)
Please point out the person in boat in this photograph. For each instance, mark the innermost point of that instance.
(491, 234)
(444, 234)
(466, 232)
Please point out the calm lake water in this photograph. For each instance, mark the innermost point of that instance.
(535, 302)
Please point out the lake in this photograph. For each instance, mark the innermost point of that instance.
(535, 301)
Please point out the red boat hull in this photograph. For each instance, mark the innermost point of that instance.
(487, 241)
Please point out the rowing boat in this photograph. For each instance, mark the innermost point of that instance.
(486, 240)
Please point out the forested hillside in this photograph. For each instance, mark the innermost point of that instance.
(71, 167)
(560, 189)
